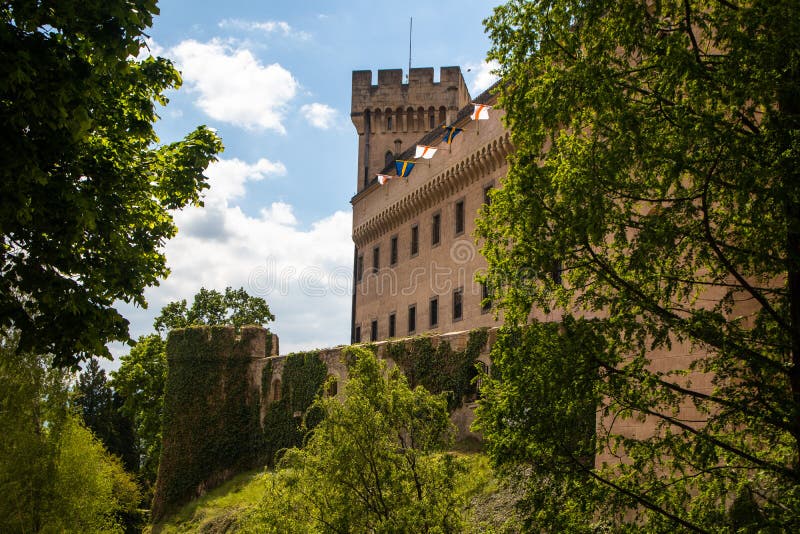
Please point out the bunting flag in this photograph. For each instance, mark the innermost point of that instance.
(425, 152)
(481, 112)
(403, 167)
(449, 133)
(383, 178)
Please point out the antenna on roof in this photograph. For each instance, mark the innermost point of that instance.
(410, 26)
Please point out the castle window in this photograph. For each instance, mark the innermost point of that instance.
(388, 158)
(393, 251)
(434, 312)
(414, 240)
(358, 335)
(410, 119)
(432, 118)
(276, 390)
(392, 324)
(412, 318)
(486, 303)
(376, 258)
(436, 225)
(389, 121)
(398, 144)
(442, 115)
(333, 386)
(359, 268)
(487, 199)
(555, 272)
(459, 217)
(458, 304)
(373, 330)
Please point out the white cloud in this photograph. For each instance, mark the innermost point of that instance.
(304, 273)
(319, 115)
(227, 177)
(269, 26)
(233, 86)
(482, 76)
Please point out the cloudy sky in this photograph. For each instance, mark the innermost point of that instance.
(273, 78)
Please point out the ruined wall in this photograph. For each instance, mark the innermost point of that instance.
(211, 410)
(232, 404)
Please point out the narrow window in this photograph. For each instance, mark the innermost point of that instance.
(360, 268)
(388, 158)
(458, 301)
(432, 119)
(436, 225)
(434, 312)
(393, 251)
(414, 240)
(555, 272)
(389, 122)
(358, 335)
(486, 198)
(460, 217)
(392, 323)
(398, 144)
(373, 330)
(333, 386)
(376, 258)
(486, 303)
(412, 318)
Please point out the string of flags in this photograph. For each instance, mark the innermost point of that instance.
(404, 167)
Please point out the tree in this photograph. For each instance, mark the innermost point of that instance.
(54, 475)
(140, 381)
(210, 307)
(100, 407)
(657, 164)
(84, 187)
(372, 464)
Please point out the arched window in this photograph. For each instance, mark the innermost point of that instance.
(389, 124)
(431, 118)
(276, 390)
(389, 157)
(442, 115)
(410, 123)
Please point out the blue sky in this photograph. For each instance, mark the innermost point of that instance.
(273, 78)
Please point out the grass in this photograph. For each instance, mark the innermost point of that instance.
(491, 511)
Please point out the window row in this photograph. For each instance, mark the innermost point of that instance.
(457, 313)
(436, 238)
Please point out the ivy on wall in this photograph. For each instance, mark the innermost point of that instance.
(211, 414)
(289, 419)
(439, 368)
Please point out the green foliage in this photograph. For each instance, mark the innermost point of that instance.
(210, 307)
(288, 419)
(100, 407)
(657, 159)
(140, 381)
(372, 464)
(211, 414)
(85, 190)
(439, 368)
(54, 475)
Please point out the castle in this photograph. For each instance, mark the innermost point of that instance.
(415, 258)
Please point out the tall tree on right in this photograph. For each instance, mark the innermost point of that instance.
(657, 164)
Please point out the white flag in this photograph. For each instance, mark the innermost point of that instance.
(481, 112)
(383, 178)
(425, 152)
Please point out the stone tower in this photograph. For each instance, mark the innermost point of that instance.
(392, 115)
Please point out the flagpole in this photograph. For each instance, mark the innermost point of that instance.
(410, 26)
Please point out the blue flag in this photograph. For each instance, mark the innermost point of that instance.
(449, 133)
(403, 167)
